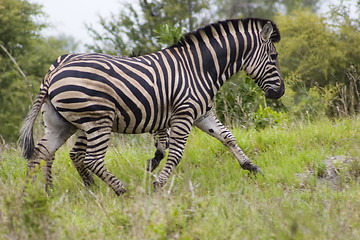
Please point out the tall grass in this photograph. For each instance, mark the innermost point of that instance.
(207, 197)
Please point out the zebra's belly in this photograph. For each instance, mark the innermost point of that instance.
(133, 123)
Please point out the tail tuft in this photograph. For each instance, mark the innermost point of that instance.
(26, 139)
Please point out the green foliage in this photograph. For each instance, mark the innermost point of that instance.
(348, 98)
(36, 213)
(133, 32)
(324, 60)
(28, 212)
(307, 104)
(17, 28)
(267, 117)
(259, 8)
(237, 100)
(309, 47)
(240, 102)
(208, 196)
(167, 35)
(19, 35)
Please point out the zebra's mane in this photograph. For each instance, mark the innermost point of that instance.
(275, 36)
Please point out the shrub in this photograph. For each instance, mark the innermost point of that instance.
(265, 116)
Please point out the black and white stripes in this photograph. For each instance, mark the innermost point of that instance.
(171, 89)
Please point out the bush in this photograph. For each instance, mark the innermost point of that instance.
(267, 117)
(237, 100)
(320, 66)
(308, 104)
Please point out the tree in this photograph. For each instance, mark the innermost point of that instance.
(22, 43)
(308, 47)
(260, 8)
(133, 32)
(17, 32)
(320, 52)
(323, 56)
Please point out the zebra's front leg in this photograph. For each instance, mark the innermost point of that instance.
(77, 155)
(212, 126)
(161, 144)
(179, 132)
(94, 159)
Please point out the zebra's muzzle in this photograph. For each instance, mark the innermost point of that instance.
(275, 94)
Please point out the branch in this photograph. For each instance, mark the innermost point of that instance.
(20, 71)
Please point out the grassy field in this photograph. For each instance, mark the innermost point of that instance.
(311, 190)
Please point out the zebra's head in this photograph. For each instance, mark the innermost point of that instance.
(263, 64)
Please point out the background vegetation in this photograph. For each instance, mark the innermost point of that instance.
(307, 143)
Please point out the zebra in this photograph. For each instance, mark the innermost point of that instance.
(166, 92)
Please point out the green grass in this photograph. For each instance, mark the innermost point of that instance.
(207, 197)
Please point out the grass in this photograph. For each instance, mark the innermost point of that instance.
(207, 197)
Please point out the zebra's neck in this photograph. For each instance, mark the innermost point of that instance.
(219, 50)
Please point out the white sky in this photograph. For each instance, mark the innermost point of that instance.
(70, 16)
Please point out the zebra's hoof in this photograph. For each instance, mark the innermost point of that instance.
(88, 182)
(158, 186)
(121, 191)
(257, 170)
(151, 165)
(253, 169)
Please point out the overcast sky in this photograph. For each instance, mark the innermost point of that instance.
(70, 16)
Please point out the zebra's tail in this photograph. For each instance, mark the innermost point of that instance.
(26, 139)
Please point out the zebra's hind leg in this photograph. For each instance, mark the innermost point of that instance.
(94, 159)
(77, 155)
(48, 174)
(212, 126)
(161, 144)
(57, 131)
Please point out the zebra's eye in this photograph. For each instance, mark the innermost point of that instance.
(273, 56)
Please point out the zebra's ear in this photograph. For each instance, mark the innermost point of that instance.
(266, 31)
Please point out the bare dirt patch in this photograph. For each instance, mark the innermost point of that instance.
(339, 171)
